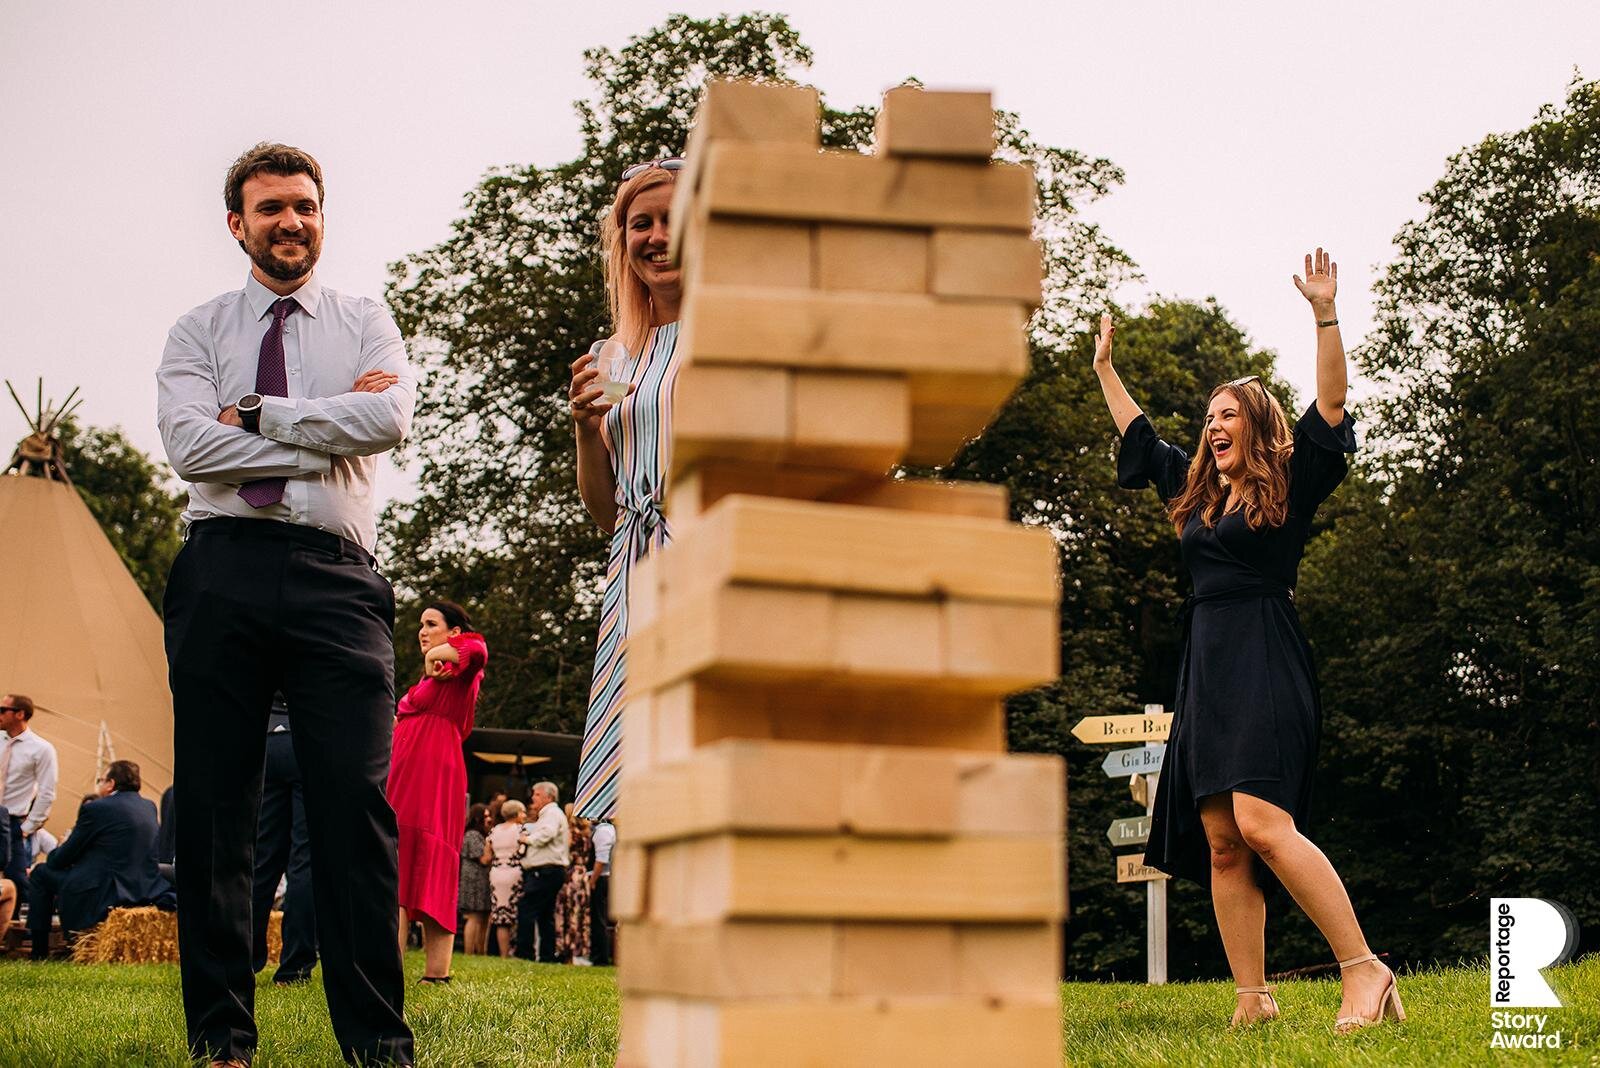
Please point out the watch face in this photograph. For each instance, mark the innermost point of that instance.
(250, 401)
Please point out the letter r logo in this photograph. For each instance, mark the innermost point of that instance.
(1526, 935)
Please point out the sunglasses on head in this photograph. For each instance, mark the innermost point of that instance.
(671, 163)
(1245, 381)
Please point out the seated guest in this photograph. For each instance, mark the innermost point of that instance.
(8, 905)
(108, 861)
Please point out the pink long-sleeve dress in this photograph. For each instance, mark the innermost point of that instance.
(428, 781)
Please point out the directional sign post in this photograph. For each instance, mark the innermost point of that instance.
(1142, 766)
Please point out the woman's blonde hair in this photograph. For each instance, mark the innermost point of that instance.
(510, 810)
(626, 292)
(1266, 442)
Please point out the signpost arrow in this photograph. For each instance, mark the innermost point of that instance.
(1131, 868)
(1099, 730)
(1132, 831)
(1145, 760)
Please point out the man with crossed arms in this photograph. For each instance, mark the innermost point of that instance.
(275, 402)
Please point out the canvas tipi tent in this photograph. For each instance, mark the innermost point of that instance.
(84, 643)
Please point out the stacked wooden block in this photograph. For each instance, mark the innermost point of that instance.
(829, 858)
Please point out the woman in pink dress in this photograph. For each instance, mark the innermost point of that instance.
(428, 779)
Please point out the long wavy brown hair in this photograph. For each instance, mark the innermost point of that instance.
(1266, 441)
(626, 292)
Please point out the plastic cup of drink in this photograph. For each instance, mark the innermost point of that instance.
(611, 359)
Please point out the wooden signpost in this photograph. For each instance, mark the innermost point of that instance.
(1142, 765)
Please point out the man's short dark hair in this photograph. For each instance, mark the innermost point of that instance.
(124, 775)
(269, 157)
(22, 704)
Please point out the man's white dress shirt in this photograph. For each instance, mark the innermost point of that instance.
(322, 437)
(605, 836)
(28, 788)
(546, 838)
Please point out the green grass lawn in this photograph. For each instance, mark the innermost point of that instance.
(513, 1013)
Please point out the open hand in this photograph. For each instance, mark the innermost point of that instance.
(1102, 343)
(1321, 282)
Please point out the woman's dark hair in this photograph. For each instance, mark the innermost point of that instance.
(478, 817)
(454, 615)
(124, 775)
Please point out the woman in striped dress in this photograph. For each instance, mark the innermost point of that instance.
(622, 449)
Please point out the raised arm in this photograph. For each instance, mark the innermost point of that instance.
(1319, 287)
(1123, 409)
(200, 448)
(361, 422)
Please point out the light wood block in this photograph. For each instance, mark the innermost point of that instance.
(630, 879)
(987, 265)
(860, 422)
(784, 787)
(771, 181)
(838, 1033)
(688, 715)
(696, 490)
(825, 546)
(730, 411)
(740, 110)
(827, 877)
(773, 635)
(871, 258)
(746, 960)
(748, 252)
(917, 122)
(854, 332)
(947, 411)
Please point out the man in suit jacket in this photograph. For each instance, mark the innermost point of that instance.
(108, 861)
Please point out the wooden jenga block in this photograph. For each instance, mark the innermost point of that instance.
(749, 252)
(947, 411)
(644, 592)
(694, 491)
(916, 122)
(1021, 961)
(748, 111)
(739, 411)
(860, 422)
(871, 258)
(630, 879)
(786, 787)
(729, 960)
(691, 714)
(839, 1032)
(987, 265)
(824, 546)
(793, 182)
(993, 641)
(822, 877)
(854, 332)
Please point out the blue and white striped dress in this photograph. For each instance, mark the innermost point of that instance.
(636, 433)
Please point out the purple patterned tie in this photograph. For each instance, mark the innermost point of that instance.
(271, 381)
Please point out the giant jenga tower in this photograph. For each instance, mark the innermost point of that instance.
(829, 858)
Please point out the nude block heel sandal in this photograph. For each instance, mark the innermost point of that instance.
(1248, 1020)
(1388, 1002)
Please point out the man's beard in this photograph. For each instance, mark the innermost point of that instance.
(274, 266)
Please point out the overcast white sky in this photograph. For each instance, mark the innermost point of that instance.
(1249, 132)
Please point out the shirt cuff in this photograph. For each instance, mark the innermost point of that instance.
(277, 422)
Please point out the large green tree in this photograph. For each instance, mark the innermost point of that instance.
(129, 495)
(1459, 614)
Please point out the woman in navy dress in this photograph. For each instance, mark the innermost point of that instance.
(1236, 783)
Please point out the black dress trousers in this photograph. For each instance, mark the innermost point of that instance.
(283, 846)
(253, 607)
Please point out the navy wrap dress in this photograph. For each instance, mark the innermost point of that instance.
(1247, 715)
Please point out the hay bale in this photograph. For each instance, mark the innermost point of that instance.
(145, 935)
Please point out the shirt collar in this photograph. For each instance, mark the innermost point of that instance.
(261, 299)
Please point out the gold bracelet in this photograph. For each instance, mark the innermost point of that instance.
(1326, 322)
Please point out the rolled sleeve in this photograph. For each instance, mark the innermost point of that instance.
(45, 797)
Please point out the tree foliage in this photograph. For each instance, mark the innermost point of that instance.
(1458, 610)
(127, 494)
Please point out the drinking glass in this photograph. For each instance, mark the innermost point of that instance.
(611, 359)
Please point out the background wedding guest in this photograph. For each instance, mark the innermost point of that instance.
(544, 870)
(283, 853)
(275, 402)
(572, 903)
(503, 854)
(428, 778)
(473, 898)
(603, 840)
(27, 787)
(107, 862)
